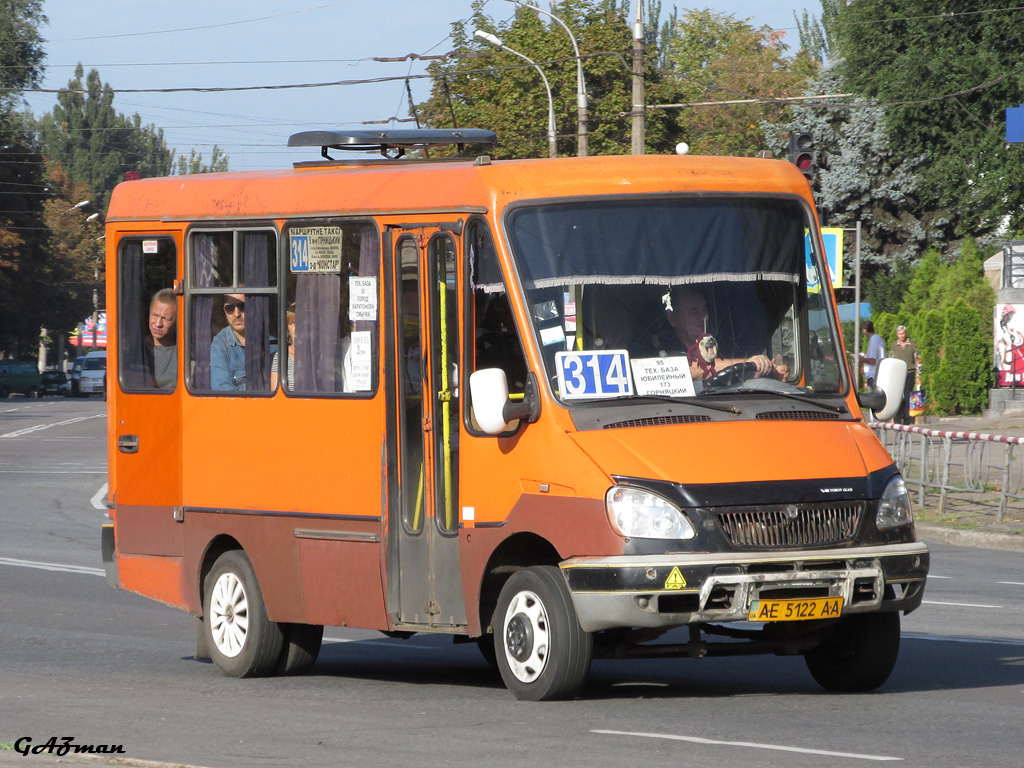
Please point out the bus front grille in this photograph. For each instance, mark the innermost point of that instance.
(791, 525)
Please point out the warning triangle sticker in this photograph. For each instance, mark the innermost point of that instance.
(675, 579)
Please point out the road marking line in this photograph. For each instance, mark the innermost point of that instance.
(961, 605)
(98, 501)
(52, 566)
(53, 471)
(750, 745)
(39, 427)
(1012, 583)
(933, 576)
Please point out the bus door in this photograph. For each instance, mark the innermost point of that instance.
(144, 385)
(424, 581)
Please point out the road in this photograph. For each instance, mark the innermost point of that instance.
(105, 667)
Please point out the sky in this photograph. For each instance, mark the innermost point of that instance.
(232, 44)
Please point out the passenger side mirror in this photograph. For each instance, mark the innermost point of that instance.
(492, 406)
(885, 398)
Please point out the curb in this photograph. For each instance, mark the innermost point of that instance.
(933, 534)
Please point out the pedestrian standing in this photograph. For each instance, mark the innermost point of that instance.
(906, 350)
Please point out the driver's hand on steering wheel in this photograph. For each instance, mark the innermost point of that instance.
(765, 367)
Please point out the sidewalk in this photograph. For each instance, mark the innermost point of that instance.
(970, 518)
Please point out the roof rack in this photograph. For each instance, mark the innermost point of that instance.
(399, 139)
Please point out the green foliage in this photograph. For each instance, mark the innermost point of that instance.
(885, 326)
(948, 313)
(194, 162)
(964, 373)
(885, 291)
(925, 329)
(946, 73)
(21, 52)
(97, 144)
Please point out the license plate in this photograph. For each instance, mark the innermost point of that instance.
(795, 610)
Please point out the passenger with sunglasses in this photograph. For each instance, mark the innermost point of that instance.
(227, 352)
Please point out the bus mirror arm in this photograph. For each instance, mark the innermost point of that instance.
(527, 409)
(493, 408)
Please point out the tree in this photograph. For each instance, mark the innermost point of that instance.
(97, 144)
(480, 87)
(945, 73)
(21, 54)
(716, 57)
(194, 163)
(860, 177)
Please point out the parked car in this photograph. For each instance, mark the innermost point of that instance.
(93, 379)
(56, 383)
(76, 376)
(20, 378)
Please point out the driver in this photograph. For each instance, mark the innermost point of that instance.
(687, 313)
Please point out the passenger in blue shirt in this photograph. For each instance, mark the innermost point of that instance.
(227, 352)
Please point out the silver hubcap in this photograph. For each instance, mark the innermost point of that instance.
(229, 614)
(527, 637)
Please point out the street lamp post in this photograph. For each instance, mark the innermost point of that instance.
(552, 136)
(581, 89)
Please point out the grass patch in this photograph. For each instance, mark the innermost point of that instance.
(947, 519)
(7, 746)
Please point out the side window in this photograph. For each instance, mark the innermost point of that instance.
(232, 301)
(147, 325)
(332, 315)
(494, 340)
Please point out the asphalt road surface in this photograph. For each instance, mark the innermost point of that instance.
(108, 668)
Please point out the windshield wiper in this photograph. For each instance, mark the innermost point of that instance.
(688, 401)
(790, 395)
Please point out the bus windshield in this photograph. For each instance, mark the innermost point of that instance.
(680, 296)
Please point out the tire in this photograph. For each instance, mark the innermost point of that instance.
(542, 652)
(300, 648)
(5, 392)
(486, 645)
(241, 640)
(33, 394)
(858, 655)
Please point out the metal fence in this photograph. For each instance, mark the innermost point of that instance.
(956, 462)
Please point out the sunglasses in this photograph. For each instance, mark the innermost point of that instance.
(230, 307)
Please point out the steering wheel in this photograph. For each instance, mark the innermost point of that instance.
(734, 374)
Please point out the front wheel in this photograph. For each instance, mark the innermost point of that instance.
(541, 650)
(858, 654)
(242, 641)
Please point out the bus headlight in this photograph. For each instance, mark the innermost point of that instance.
(639, 514)
(894, 507)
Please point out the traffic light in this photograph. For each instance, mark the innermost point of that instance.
(801, 154)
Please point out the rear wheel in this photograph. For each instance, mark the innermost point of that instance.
(300, 648)
(5, 391)
(241, 640)
(858, 654)
(542, 652)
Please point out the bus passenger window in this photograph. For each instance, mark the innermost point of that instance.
(147, 314)
(332, 291)
(233, 310)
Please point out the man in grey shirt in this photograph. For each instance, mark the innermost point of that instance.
(163, 324)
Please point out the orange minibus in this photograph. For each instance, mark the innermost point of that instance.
(558, 407)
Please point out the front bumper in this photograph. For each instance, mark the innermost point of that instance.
(664, 591)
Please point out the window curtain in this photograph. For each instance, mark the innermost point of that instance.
(204, 265)
(135, 363)
(255, 255)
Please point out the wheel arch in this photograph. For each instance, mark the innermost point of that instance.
(518, 551)
(214, 549)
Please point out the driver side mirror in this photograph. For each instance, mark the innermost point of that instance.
(492, 406)
(885, 398)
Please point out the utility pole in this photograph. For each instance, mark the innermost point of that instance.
(638, 79)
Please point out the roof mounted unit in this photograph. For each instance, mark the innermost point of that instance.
(400, 140)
